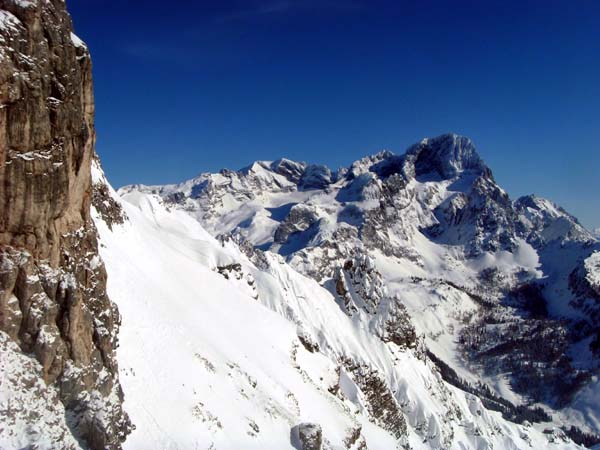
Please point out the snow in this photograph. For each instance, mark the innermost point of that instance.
(8, 21)
(233, 367)
(592, 268)
(584, 408)
(431, 275)
(175, 308)
(77, 42)
(523, 257)
(25, 3)
(33, 416)
(30, 156)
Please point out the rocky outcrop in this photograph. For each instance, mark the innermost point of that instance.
(482, 220)
(308, 436)
(315, 177)
(291, 170)
(359, 284)
(449, 155)
(382, 406)
(398, 327)
(53, 300)
(299, 219)
(103, 201)
(34, 406)
(584, 281)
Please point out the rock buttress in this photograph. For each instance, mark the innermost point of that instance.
(53, 300)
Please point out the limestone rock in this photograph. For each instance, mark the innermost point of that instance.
(53, 301)
(309, 436)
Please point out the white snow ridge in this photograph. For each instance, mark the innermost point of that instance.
(286, 306)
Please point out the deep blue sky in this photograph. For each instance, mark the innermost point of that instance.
(188, 86)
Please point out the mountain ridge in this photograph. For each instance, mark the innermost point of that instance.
(433, 214)
(374, 362)
(450, 164)
(404, 302)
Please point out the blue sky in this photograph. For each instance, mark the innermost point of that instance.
(191, 86)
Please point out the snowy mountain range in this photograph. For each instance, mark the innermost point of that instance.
(403, 302)
(420, 256)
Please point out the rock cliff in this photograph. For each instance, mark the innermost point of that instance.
(53, 301)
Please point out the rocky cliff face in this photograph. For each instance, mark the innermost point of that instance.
(53, 300)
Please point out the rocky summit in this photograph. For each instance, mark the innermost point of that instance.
(402, 302)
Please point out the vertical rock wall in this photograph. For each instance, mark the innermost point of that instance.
(53, 300)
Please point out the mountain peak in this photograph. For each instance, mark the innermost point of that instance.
(448, 154)
(292, 170)
(550, 221)
(542, 205)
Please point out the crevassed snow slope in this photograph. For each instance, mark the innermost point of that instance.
(213, 362)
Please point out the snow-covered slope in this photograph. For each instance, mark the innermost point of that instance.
(226, 347)
(498, 288)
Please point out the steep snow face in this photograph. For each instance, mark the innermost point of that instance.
(486, 280)
(228, 347)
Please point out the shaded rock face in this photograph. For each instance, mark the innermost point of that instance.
(482, 220)
(109, 209)
(315, 177)
(46, 128)
(292, 170)
(584, 283)
(300, 219)
(53, 300)
(308, 436)
(381, 404)
(448, 155)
